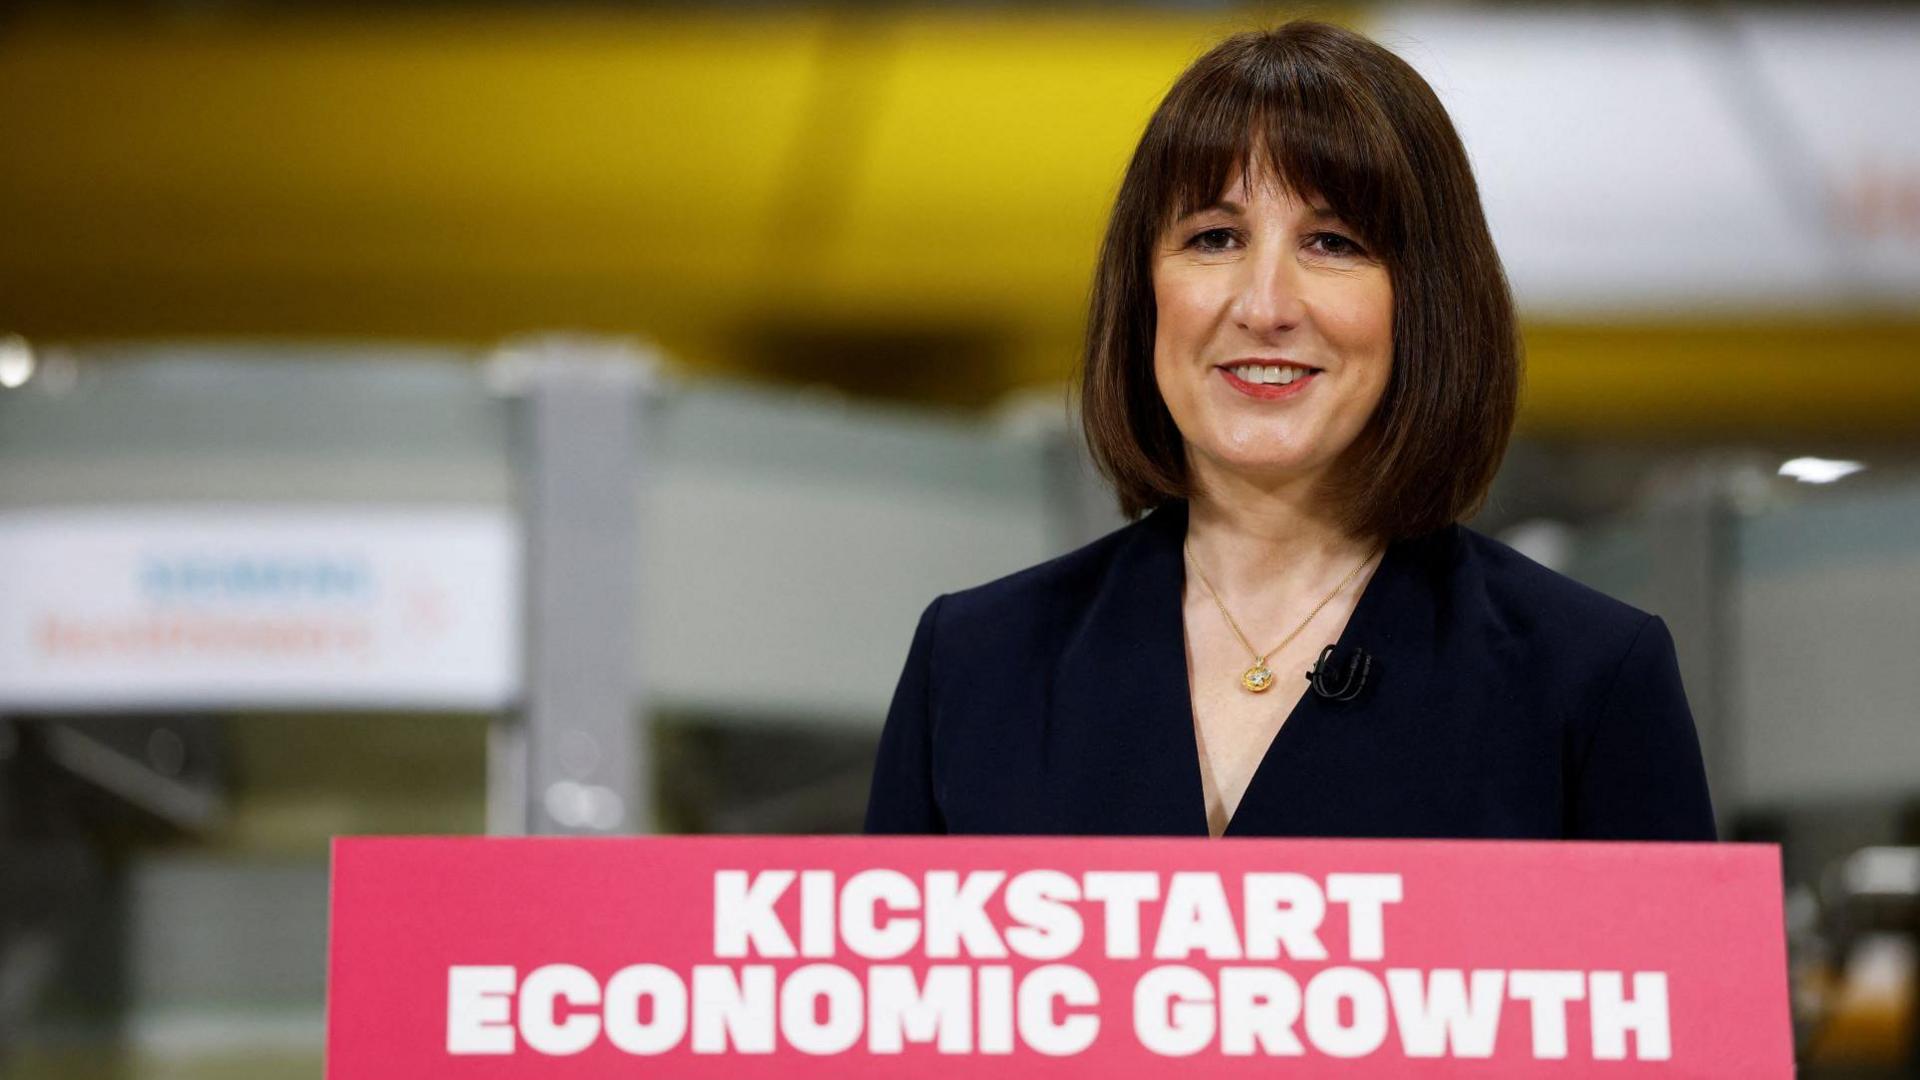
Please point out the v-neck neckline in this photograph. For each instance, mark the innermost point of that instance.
(1358, 626)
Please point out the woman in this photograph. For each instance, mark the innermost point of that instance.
(1302, 366)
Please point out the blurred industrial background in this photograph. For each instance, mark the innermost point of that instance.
(540, 418)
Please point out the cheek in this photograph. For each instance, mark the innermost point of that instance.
(1183, 306)
(1173, 337)
(1360, 325)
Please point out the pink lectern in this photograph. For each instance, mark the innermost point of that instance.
(888, 957)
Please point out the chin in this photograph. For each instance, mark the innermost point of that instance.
(1264, 461)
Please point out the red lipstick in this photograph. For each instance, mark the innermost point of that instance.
(1269, 391)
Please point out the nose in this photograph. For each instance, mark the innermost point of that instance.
(1268, 299)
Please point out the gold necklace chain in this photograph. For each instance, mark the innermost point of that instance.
(1259, 677)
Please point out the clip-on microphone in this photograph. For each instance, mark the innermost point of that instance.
(1350, 685)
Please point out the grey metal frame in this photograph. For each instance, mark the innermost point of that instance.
(572, 759)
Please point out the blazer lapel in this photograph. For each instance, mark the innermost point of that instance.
(1121, 707)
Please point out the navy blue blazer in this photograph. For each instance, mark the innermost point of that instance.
(1504, 700)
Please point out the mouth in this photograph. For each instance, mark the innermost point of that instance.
(1268, 381)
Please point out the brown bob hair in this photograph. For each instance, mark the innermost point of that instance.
(1340, 117)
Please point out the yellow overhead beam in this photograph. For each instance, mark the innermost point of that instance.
(1851, 379)
(665, 168)
(324, 165)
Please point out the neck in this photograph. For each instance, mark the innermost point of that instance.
(1261, 540)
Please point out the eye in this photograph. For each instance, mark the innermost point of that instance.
(1332, 243)
(1212, 240)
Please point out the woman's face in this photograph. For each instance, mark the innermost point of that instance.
(1275, 333)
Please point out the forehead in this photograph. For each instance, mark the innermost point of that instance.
(1243, 166)
(1246, 189)
(1263, 183)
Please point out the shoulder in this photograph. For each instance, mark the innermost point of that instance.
(1044, 593)
(1521, 598)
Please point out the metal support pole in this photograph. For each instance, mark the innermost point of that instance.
(1078, 506)
(575, 759)
(1688, 532)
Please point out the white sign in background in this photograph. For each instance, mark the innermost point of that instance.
(231, 606)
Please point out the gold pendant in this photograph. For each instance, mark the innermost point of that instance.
(1257, 678)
